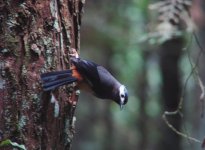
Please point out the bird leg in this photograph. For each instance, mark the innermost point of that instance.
(74, 53)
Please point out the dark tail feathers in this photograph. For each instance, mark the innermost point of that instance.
(52, 80)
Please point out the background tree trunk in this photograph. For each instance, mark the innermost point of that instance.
(143, 119)
(171, 90)
(36, 37)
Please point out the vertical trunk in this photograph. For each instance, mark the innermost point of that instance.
(107, 114)
(108, 141)
(198, 15)
(37, 36)
(142, 124)
(171, 90)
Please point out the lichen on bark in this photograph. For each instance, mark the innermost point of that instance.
(37, 36)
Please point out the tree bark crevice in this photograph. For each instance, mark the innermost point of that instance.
(37, 37)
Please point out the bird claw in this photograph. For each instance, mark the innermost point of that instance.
(74, 53)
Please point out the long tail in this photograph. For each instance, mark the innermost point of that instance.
(52, 80)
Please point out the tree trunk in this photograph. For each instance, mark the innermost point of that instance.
(36, 37)
(143, 118)
(171, 91)
(197, 119)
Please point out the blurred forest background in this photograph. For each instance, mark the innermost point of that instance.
(159, 71)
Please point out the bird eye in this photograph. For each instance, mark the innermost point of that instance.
(122, 95)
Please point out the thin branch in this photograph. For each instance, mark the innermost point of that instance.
(174, 129)
(202, 96)
(200, 83)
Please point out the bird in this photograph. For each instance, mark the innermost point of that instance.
(90, 77)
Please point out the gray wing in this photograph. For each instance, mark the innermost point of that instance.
(106, 78)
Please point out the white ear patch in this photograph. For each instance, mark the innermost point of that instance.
(122, 89)
(122, 93)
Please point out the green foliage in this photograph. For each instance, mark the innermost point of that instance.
(14, 144)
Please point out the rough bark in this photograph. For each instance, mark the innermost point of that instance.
(36, 37)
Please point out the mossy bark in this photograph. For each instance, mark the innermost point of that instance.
(37, 36)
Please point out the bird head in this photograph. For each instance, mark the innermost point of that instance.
(122, 97)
